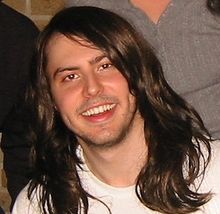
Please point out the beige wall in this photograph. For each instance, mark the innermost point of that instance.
(40, 11)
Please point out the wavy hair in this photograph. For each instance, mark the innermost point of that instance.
(176, 136)
(214, 6)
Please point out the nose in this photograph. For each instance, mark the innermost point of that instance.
(93, 86)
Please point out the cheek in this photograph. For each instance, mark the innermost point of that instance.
(64, 101)
(119, 83)
(124, 88)
(132, 99)
(124, 91)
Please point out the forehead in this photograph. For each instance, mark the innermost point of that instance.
(59, 40)
(62, 51)
(60, 46)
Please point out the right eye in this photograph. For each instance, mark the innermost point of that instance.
(71, 77)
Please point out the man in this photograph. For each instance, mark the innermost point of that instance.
(17, 38)
(110, 135)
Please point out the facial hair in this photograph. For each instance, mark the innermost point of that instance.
(113, 140)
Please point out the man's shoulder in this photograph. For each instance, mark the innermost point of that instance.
(215, 148)
(25, 205)
(213, 170)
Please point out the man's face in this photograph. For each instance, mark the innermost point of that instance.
(90, 94)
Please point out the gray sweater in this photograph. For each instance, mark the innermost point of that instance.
(187, 41)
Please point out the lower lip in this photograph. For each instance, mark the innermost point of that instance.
(103, 117)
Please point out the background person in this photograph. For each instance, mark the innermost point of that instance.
(17, 38)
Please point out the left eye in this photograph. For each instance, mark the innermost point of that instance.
(71, 77)
(105, 66)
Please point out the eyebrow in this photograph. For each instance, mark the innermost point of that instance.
(93, 61)
(97, 59)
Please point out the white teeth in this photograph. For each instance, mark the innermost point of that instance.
(98, 110)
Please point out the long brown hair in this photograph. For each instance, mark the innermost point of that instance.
(174, 130)
(214, 6)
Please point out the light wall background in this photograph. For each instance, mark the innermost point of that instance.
(40, 11)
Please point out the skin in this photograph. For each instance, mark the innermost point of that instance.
(153, 9)
(94, 101)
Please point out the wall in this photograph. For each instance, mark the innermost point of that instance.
(40, 11)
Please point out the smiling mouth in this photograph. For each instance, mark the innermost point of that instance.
(98, 110)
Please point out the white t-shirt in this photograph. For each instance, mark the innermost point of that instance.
(124, 200)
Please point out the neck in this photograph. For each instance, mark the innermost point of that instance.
(119, 165)
(153, 8)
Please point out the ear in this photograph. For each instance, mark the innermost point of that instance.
(55, 107)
